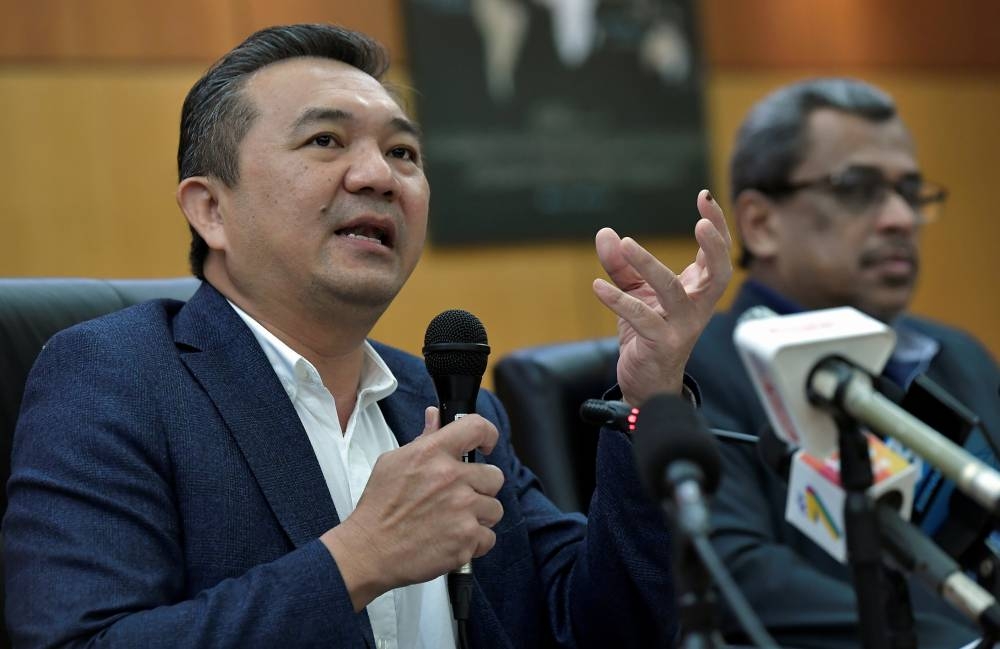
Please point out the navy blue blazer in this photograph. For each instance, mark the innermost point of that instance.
(802, 595)
(163, 493)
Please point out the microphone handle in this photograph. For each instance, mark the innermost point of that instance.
(916, 553)
(454, 407)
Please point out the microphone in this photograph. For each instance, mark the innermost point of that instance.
(455, 353)
(679, 464)
(622, 417)
(807, 365)
(838, 385)
(916, 553)
(616, 414)
(817, 497)
(677, 459)
(779, 352)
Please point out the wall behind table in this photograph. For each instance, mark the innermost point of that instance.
(90, 96)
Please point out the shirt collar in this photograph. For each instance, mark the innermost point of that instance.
(294, 371)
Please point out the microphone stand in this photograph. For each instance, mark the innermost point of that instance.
(695, 600)
(695, 566)
(864, 548)
(877, 588)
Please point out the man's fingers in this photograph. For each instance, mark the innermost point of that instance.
(630, 309)
(710, 209)
(609, 253)
(469, 433)
(432, 420)
(669, 291)
(486, 539)
(485, 478)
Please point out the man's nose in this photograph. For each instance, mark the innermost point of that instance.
(370, 172)
(897, 214)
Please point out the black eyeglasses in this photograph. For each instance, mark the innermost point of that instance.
(862, 189)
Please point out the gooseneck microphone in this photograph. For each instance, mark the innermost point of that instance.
(455, 353)
(680, 466)
(677, 459)
(621, 416)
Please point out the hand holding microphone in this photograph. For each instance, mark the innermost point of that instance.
(423, 513)
(428, 508)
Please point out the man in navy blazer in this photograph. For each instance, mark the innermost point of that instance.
(830, 203)
(247, 470)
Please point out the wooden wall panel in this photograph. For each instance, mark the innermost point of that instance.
(87, 183)
(380, 19)
(115, 30)
(828, 33)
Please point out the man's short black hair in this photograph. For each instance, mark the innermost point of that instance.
(217, 116)
(772, 140)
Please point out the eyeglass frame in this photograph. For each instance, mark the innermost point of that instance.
(831, 182)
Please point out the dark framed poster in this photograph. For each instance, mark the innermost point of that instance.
(547, 119)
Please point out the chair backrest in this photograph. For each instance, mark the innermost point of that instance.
(542, 389)
(31, 311)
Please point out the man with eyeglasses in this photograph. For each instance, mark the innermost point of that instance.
(829, 203)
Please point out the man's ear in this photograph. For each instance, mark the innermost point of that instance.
(756, 219)
(198, 198)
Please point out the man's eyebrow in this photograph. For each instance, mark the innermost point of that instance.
(406, 126)
(314, 115)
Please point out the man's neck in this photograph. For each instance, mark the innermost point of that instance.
(332, 343)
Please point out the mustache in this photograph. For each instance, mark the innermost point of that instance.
(897, 249)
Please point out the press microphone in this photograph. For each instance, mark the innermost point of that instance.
(677, 459)
(779, 353)
(455, 353)
(607, 412)
(916, 553)
(808, 365)
(680, 466)
(904, 543)
(838, 385)
(816, 495)
(623, 417)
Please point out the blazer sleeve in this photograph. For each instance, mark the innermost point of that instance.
(606, 583)
(94, 550)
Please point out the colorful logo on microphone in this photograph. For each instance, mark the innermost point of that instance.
(812, 506)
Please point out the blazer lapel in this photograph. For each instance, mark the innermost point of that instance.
(228, 362)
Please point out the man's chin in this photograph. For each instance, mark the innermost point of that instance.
(890, 303)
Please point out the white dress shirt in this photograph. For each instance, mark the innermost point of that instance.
(417, 616)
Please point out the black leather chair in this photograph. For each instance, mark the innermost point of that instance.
(31, 310)
(542, 389)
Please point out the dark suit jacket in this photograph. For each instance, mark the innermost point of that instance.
(164, 494)
(802, 595)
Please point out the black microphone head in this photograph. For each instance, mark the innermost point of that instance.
(456, 344)
(670, 430)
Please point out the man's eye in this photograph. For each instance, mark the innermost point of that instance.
(404, 153)
(324, 140)
(860, 184)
